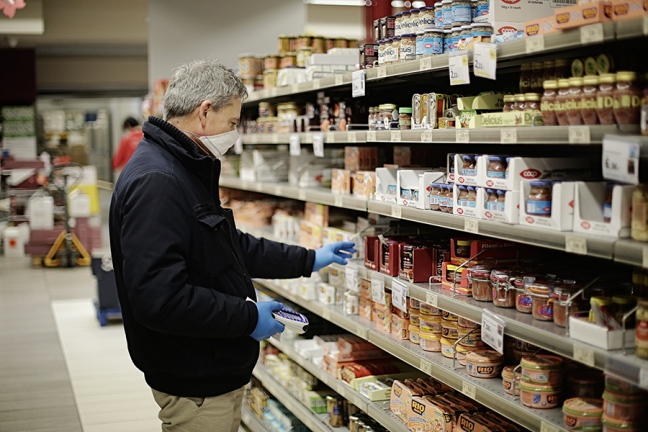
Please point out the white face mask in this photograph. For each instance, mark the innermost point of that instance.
(217, 145)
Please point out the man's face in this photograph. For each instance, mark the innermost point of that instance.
(223, 121)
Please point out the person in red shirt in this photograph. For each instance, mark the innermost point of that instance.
(128, 143)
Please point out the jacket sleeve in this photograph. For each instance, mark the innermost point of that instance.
(155, 243)
(273, 260)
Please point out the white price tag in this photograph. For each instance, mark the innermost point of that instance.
(546, 427)
(644, 257)
(358, 83)
(371, 136)
(396, 211)
(295, 145)
(301, 195)
(584, 355)
(351, 136)
(469, 389)
(576, 245)
(337, 202)
(395, 136)
(459, 71)
(643, 378)
(351, 278)
(493, 330)
(432, 299)
(316, 84)
(330, 137)
(462, 136)
(295, 88)
(277, 190)
(318, 145)
(485, 60)
(339, 80)
(362, 332)
(621, 160)
(399, 295)
(592, 33)
(378, 289)
(426, 63)
(426, 136)
(471, 226)
(381, 72)
(579, 135)
(426, 367)
(534, 44)
(326, 314)
(238, 145)
(508, 136)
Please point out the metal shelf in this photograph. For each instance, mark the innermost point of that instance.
(631, 252)
(251, 421)
(315, 422)
(320, 196)
(488, 392)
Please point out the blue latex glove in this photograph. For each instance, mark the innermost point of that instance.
(338, 252)
(266, 324)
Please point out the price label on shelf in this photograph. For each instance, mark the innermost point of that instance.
(351, 278)
(621, 160)
(351, 136)
(469, 389)
(339, 80)
(459, 71)
(579, 135)
(592, 33)
(546, 427)
(358, 83)
(318, 145)
(471, 226)
(238, 145)
(426, 136)
(426, 367)
(337, 201)
(381, 71)
(485, 60)
(493, 330)
(295, 145)
(395, 136)
(535, 44)
(508, 136)
(371, 136)
(576, 245)
(643, 378)
(301, 195)
(378, 289)
(399, 295)
(396, 211)
(462, 136)
(426, 63)
(584, 355)
(362, 332)
(432, 299)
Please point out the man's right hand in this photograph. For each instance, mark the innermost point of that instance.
(266, 324)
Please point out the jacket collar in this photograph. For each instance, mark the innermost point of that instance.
(185, 150)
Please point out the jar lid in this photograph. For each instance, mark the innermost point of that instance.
(390, 107)
(626, 76)
(430, 336)
(408, 35)
(575, 81)
(495, 158)
(501, 192)
(548, 64)
(467, 157)
(541, 183)
(623, 398)
(618, 423)
(464, 242)
(601, 301)
(446, 2)
(415, 11)
(405, 110)
(471, 188)
(420, 33)
(509, 372)
(456, 29)
(591, 80)
(586, 407)
(608, 78)
(519, 98)
(563, 83)
(526, 66)
(531, 97)
(489, 191)
(536, 65)
(542, 362)
(461, 188)
(484, 356)
(437, 4)
(406, 13)
(270, 72)
(398, 15)
(466, 27)
(445, 341)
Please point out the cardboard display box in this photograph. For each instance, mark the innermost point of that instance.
(466, 208)
(562, 211)
(414, 187)
(583, 14)
(588, 209)
(511, 212)
(387, 185)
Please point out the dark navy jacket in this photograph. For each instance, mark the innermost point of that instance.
(184, 271)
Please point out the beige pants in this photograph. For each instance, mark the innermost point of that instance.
(213, 414)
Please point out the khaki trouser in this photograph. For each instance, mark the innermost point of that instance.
(187, 414)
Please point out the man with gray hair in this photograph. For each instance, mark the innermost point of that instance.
(183, 270)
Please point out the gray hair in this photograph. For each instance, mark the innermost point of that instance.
(198, 81)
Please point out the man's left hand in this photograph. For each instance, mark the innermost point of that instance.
(338, 252)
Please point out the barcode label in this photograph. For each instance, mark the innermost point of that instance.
(562, 3)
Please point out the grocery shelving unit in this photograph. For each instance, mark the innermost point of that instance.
(250, 420)
(559, 138)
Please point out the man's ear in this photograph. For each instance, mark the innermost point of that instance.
(203, 109)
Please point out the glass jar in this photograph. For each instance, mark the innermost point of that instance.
(573, 102)
(548, 103)
(435, 189)
(381, 52)
(577, 68)
(450, 198)
(462, 248)
(420, 44)
(461, 12)
(523, 301)
(496, 167)
(501, 200)
(398, 24)
(415, 19)
(561, 69)
(621, 305)
(607, 204)
(599, 303)
(438, 15)
(525, 78)
(483, 7)
(372, 118)
(455, 36)
(641, 330)
(542, 301)
(548, 71)
(465, 37)
(537, 73)
(447, 40)
(605, 99)
(561, 102)
(491, 200)
(519, 103)
(426, 17)
(588, 100)
(396, 46)
(481, 32)
(463, 195)
(532, 102)
(406, 23)
(560, 296)
(468, 167)
(446, 10)
(389, 114)
(509, 100)
(639, 225)
(502, 292)
(480, 280)
(539, 199)
(433, 41)
(627, 99)
(443, 198)
(405, 117)
(471, 199)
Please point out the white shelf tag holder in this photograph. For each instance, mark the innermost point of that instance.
(485, 60)
(295, 145)
(508, 136)
(399, 295)
(493, 330)
(592, 33)
(535, 44)
(351, 279)
(318, 145)
(395, 136)
(358, 83)
(378, 289)
(458, 68)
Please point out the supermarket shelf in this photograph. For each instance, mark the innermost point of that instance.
(488, 392)
(631, 252)
(323, 83)
(251, 421)
(632, 28)
(542, 135)
(315, 422)
(595, 246)
(378, 410)
(320, 196)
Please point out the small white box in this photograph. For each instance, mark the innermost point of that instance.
(521, 168)
(329, 295)
(414, 187)
(466, 208)
(511, 212)
(336, 277)
(582, 330)
(589, 209)
(386, 185)
(562, 212)
(467, 176)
